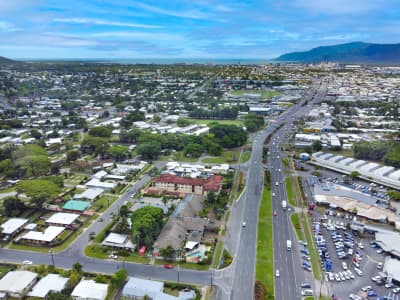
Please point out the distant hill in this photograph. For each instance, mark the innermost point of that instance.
(6, 60)
(355, 52)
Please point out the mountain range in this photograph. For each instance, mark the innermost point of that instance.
(355, 52)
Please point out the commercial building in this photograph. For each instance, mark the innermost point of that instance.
(389, 242)
(374, 172)
(17, 283)
(392, 269)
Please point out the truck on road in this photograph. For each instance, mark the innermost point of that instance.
(289, 245)
(284, 205)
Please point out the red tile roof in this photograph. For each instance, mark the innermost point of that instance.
(169, 178)
(213, 183)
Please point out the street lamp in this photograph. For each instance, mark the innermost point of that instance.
(211, 278)
(52, 256)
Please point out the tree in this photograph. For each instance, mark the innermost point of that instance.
(94, 145)
(394, 195)
(78, 268)
(36, 134)
(211, 198)
(31, 160)
(168, 253)
(119, 278)
(57, 296)
(100, 278)
(354, 175)
(118, 152)
(229, 136)
(253, 122)
(150, 150)
(73, 155)
(182, 122)
(100, 131)
(193, 150)
(39, 190)
(13, 206)
(147, 223)
(316, 145)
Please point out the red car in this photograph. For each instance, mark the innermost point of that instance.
(275, 213)
(168, 266)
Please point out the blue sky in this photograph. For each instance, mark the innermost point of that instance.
(189, 29)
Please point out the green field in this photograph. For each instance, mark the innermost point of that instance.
(265, 248)
(227, 156)
(264, 94)
(217, 254)
(296, 225)
(289, 191)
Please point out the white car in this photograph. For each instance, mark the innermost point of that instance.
(244, 224)
(26, 262)
(277, 273)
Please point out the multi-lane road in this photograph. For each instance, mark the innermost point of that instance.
(234, 282)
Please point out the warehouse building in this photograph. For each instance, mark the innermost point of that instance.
(374, 172)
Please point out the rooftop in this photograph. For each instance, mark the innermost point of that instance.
(12, 225)
(48, 235)
(62, 218)
(88, 289)
(76, 205)
(49, 283)
(16, 281)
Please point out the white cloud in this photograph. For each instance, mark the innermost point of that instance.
(149, 36)
(103, 22)
(7, 27)
(191, 14)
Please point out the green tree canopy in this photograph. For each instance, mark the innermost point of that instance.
(147, 223)
(150, 150)
(119, 278)
(100, 131)
(94, 145)
(13, 206)
(39, 190)
(118, 152)
(193, 150)
(32, 160)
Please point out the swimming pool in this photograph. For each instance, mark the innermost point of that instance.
(196, 254)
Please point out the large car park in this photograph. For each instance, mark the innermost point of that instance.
(352, 265)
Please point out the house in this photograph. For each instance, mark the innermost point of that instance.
(62, 219)
(89, 290)
(117, 240)
(96, 183)
(12, 226)
(137, 288)
(17, 283)
(198, 186)
(90, 194)
(46, 237)
(49, 284)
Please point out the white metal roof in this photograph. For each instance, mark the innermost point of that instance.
(16, 281)
(139, 287)
(88, 289)
(383, 170)
(90, 194)
(395, 175)
(51, 282)
(368, 167)
(116, 238)
(62, 218)
(11, 225)
(48, 235)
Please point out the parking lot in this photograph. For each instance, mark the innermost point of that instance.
(351, 262)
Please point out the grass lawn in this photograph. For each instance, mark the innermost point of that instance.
(217, 255)
(296, 224)
(183, 265)
(180, 156)
(104, 202)
(245, 156)
(289, 191)
(227, 156)
(210, 121)
(96, 251)
(264, 94)
(265, 250)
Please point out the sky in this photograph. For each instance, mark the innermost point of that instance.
(211, 29)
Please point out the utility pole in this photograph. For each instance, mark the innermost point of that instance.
(52, 256)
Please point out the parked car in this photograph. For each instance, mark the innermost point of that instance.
(168, 266)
